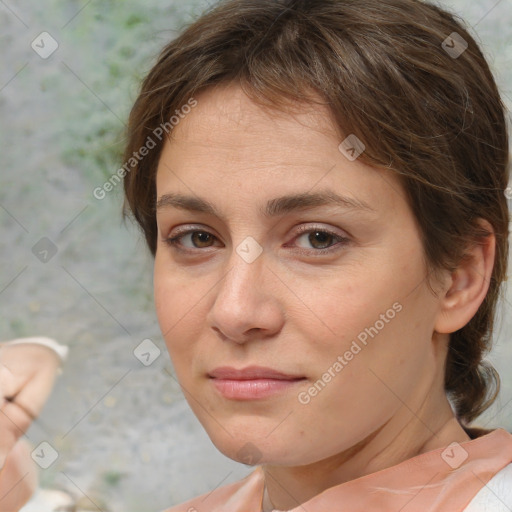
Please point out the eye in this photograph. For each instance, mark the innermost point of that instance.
(199, 238)
(320, 239)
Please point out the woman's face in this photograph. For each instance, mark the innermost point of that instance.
(331, 295)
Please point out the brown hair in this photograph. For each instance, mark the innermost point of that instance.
(384, 69)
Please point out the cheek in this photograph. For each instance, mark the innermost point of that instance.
(375, 331)
(344, 313)
(172, 293)
(169, 302)
(179, 313)
(169, 312)
(164, 304)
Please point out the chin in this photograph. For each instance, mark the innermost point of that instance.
(256, 450)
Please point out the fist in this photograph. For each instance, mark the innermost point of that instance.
(27, 375)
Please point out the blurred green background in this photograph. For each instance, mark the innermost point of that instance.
(125, 437)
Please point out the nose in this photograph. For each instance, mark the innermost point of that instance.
(247, 305)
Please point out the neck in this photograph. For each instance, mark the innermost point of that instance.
(404, 436)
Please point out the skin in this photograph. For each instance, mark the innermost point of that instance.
(27, 375)
(297, 312)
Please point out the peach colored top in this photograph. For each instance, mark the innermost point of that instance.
(442, 480)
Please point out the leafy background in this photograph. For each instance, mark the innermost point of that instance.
(125, 436)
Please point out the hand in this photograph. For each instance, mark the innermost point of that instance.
(18, 478)
(27, 375)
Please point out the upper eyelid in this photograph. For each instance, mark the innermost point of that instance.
(190, 229)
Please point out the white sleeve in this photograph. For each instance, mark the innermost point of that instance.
(60, 350)
(496, 496)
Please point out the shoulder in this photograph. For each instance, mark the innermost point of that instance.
(242, 495)
(496, 496)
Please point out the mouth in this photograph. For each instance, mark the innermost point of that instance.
(252, 383)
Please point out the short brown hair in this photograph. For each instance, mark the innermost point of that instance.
(384, 70)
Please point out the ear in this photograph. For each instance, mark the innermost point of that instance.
(467, 286)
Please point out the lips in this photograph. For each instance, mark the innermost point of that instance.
(251, 373)
(252, 383)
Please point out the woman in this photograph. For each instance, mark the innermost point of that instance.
(322, 187)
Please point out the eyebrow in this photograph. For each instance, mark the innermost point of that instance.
(274, 208)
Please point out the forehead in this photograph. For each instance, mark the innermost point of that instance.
(228, 139)
(225, 114)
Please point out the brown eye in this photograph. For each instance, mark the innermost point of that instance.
(319, 241)
(199, 239)
(322, 238)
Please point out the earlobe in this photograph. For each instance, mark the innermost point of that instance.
(469, 284)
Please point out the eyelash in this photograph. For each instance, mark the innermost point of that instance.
(174, 242)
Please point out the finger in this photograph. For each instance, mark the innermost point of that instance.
(18, 478)
(27, 375)
(6, 382)
(34, 394)
(13, 401)
(14, 422)
(11, 378)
